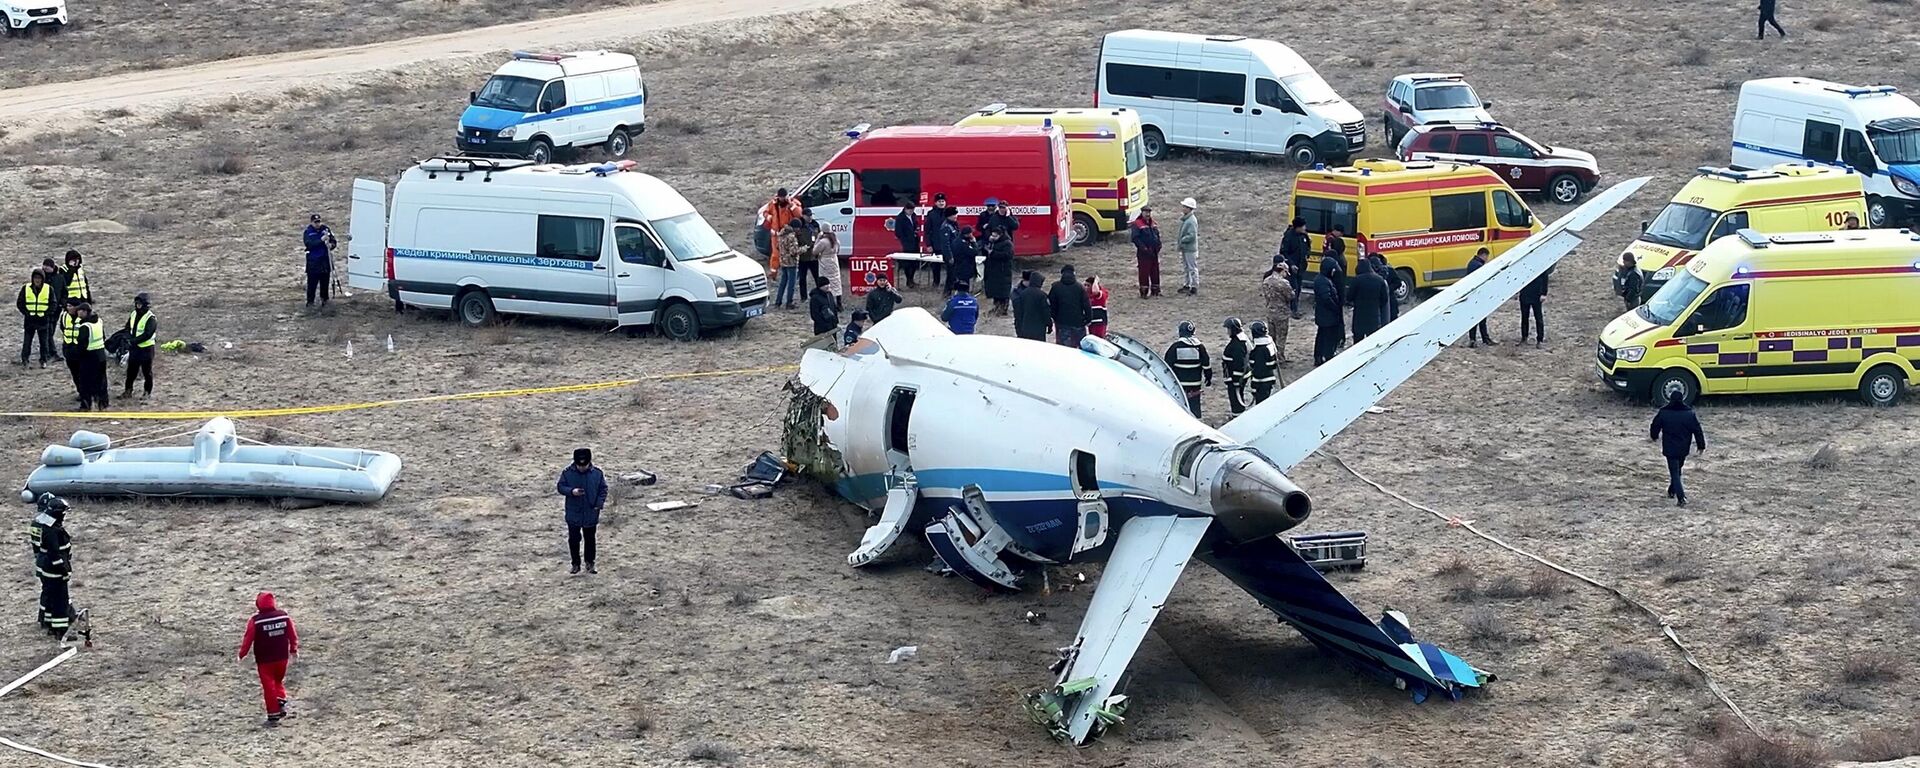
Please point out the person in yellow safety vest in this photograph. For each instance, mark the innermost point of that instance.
(36, 305)
(77, 279)
(95, 339)
(140, 326)
(73, 348)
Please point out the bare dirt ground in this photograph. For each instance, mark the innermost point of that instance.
(108, 36)
(441, 629)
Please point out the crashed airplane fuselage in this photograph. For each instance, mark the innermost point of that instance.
(1004, 451)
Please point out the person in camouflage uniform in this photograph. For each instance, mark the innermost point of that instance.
(1278, 294)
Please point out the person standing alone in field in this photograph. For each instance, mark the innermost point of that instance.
(1474, 264)
(1532, 297)
(1766, 17)
(272, 640)
(585, 488)
(1677, 429)
(319, 242)
(1146, 252)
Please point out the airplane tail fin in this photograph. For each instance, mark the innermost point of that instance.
(1274, 573)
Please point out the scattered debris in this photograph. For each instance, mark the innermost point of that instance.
(1034, 617)
(389, 342)
(1331, 551)
(669, 506)
(1827, 457)
(641, 477)
(751, 490)
(767, 468)
(349, 347)
(89, 227)
(902, 653)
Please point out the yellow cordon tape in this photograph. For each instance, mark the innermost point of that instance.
(306, 410)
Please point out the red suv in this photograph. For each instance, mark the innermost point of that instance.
(1559, 173)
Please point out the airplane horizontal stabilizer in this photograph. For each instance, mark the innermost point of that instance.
(1146, 561)
(1282, 580)
(1293, 423)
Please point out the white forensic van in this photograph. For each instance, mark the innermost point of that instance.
(593, 242)
(539, 102)
(1873, 130)
(1226, 92)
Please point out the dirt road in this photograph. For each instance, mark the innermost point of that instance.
(57, 106)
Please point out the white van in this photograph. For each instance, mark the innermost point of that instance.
(1873, 130)
(539, 102)
(1226, 92)
(593, 242)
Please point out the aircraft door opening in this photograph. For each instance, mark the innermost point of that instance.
(899, 416)
(1091, 531)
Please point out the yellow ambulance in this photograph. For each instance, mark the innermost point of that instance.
(1718, 202)
(1105, 160)
(1804, 312)
(1427, 218)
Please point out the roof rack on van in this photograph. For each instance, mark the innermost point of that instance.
(1733, 175)
(460, 165)
(1854, 92)
(1465, 124)
(1225, 38)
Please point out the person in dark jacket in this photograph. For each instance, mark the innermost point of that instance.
(53, 563)
(1766, 17)
(823, 307)
(1330, 317)
(1333, 264)
(1294, 248)
(1678, 429)
(1191, 365)
(997, 216)
(907, 230)
(963, 254)
(1071, 310)
(1146, 252)
(1032, 308)
(963, 310)
(854, 329)
(37, 307)
(1531, 298)
(58, 279)
(585, 488)
(319, 241)
(141, 328)
(1627, 282)
(1392, 276)
(998, 278)
(934, 235)
(1370, 301)
(1474, 264)
(1235, 366)
(882, 299)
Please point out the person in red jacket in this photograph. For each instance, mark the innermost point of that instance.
(1097, 299)
(271, 638)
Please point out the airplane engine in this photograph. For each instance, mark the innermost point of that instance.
(1253, 499)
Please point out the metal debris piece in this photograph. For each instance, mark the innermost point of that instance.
(902, 653)
(751, 490)
(641, 477)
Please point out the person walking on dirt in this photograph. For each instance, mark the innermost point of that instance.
(1146, 252)
(1277, 290)
(1295, 246)
(319, 241)
(36, 306)
(1189, 243)
(271, 638)
(794, 238)
(882, 299)
(585, 488)
(1766, 17)
(140, 329)
(1474, 264)
(1032, 310)
(1678, 429)
(74, 282)
(1627, 282)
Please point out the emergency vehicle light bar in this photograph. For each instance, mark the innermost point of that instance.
(1854, 92)
(994, 108)
(614, 167)
(530, 56)
(1439, 78)
(859, 130)
(1733, 175)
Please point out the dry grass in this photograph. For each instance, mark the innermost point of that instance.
(1749, 751)
(1827, 457)
(222, 161)
(1484, 625)
(1635, 664)
(713, 752)
(1871, 669)
(1885, 743)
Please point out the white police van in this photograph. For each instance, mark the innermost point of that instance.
(1873, 130)
(480, 236)
(540, 102)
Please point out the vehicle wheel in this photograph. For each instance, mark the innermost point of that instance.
(619, 143)
(1405, 294)
(475, 308)
(540, 152)
(7, 24)
(1675, 380)
(1883, 385)
(1302, 153)
(678, 322)
(1564, 189)
(1154, 144)
(1084, 231)
(1877, 213)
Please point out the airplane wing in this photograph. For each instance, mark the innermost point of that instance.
(1297, 420)
(1146, 561)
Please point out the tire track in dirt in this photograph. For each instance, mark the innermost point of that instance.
(56, 106)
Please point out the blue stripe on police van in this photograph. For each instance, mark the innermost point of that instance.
(494, 257)
(584, 109)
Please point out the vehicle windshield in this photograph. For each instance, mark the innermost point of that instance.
(1308, 88)
(1672, 299)
(1136, 155)
(1681, 226)
(1896, 147)
(1457, 96)
(689, 238)
(516, 94)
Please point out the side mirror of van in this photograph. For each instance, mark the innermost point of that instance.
(1644, 224)
(1486, 104)
(473, 96)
